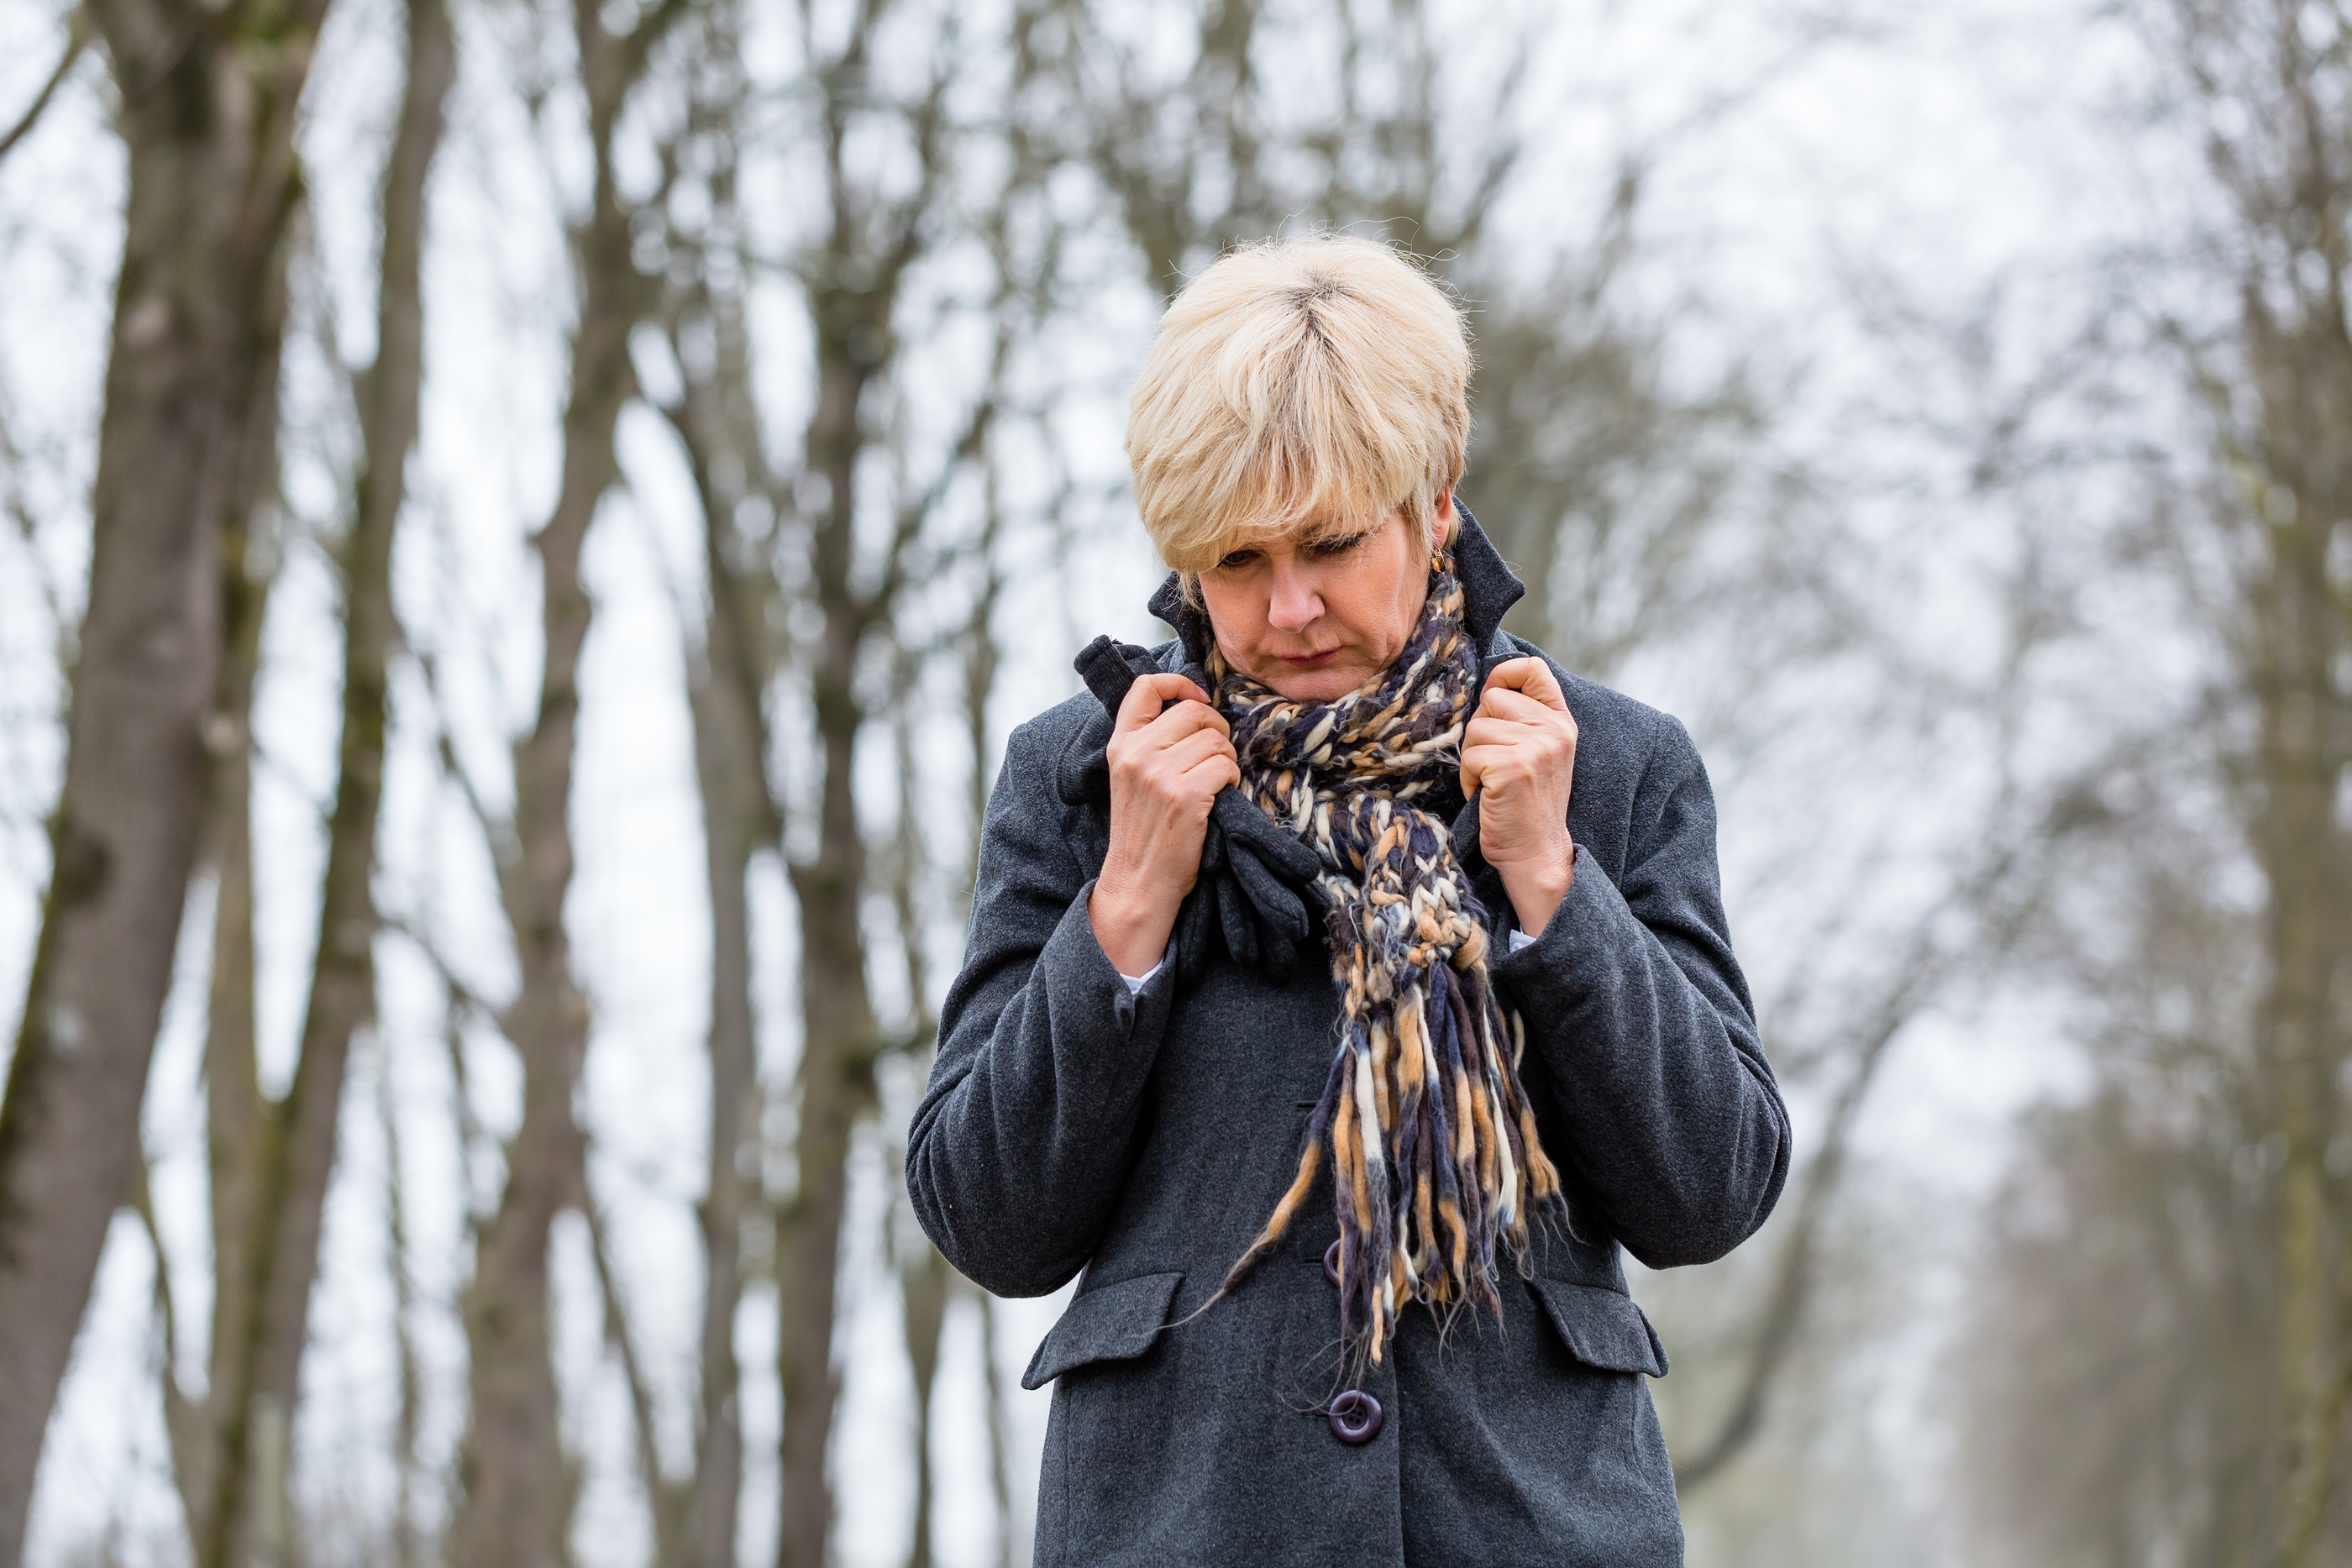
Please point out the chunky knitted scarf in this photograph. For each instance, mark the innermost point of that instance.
(1433, 1146)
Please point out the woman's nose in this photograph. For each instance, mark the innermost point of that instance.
(1295, 605)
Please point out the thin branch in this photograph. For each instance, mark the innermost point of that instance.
(497, 831)
(142, 1204)
(470, 1135)
(408, 1374)
(181, 1415)
(659, 1489)
(917, 512)
(461, 994)
(637, 48)
(77, 33)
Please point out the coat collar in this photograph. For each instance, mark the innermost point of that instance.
(1488, 589)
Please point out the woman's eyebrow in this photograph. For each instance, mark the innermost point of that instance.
(1329, 528)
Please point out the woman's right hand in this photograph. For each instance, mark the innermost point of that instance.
(1169, 753)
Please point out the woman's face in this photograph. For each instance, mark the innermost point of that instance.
(1317, 615)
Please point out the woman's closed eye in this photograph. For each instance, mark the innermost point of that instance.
(1234, 560)
(1327, 550)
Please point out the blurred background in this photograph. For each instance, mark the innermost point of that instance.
(524, 526)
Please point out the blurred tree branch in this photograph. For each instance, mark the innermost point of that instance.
(77, 36)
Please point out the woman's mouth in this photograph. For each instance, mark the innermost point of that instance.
(1310, 661)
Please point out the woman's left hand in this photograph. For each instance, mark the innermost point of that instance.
(1519, 760)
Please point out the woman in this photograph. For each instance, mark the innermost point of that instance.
(1349, 1214)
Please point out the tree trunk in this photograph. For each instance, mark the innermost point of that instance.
(839, 1044)
(187, 442)
(717, 423)
(2299, 636)
(258, 1344)
(851, 301)
(725, 681)
(720, 756)
(923, 1282)
(1000, 1442)
(233, 1109)
(2296, 466)
(516, 1505)
(839, 1036)
(731, 777)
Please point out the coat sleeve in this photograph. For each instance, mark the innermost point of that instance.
(1027, 1130)
(1641, 1019)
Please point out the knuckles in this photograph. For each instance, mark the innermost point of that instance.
(1149, 772)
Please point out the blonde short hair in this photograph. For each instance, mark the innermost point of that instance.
(1322, 379)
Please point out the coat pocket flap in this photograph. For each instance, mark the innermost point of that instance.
(1111, 1322)
(1601, 1327)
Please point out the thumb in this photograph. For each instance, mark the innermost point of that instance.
(1530, 676)
(1152, 693)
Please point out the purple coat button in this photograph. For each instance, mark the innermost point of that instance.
(1355, 1418)
(1331, 1263)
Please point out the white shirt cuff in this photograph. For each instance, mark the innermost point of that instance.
(1521, 940)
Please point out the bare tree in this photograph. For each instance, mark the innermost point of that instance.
(272, 1162)
(2283, 421)
(923, 1275)
(516, 1505)
(852, 279)
(716, 419)
(187, 449)
(2202, 1178)
(772, 534)
(1203, 158)
(739, 822)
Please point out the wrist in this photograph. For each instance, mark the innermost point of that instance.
(1537, 886)
(1131, 926)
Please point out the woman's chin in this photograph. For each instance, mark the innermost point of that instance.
(1315, 685)
(1340, 671)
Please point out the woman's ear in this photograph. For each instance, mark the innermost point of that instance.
(1441, 520)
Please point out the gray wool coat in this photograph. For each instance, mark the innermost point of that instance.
(1070, 1126)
